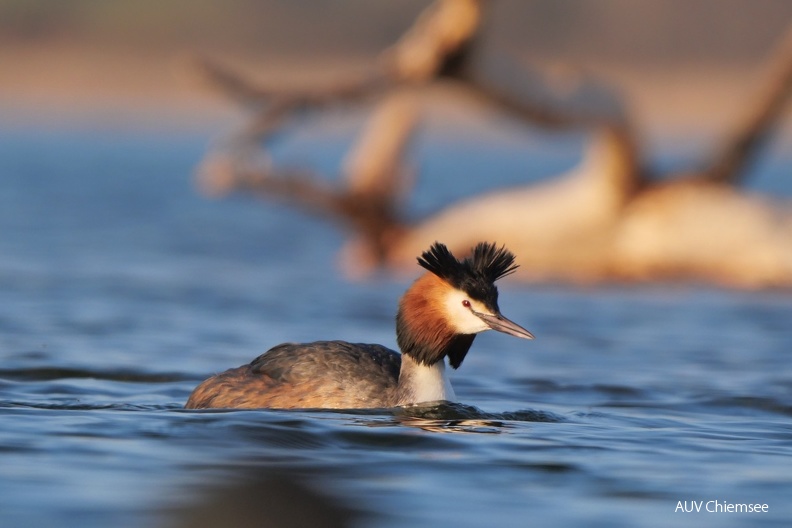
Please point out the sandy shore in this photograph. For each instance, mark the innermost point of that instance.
(67, 85)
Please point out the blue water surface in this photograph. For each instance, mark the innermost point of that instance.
(121, 288)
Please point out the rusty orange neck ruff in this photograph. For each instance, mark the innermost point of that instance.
(422, 329)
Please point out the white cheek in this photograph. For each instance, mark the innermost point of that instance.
(461, 318)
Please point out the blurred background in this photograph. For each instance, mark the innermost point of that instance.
(683, 68)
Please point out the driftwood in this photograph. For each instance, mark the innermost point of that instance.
(606, 220)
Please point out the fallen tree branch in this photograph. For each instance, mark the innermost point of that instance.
(751, 132)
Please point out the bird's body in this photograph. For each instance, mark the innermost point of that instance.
(438, 317)
(352, 375)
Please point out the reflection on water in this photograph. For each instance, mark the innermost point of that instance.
(458, 418)
(252, 500)
(121, 290)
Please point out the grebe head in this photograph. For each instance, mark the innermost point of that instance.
(443, 310)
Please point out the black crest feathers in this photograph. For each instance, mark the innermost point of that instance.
(476, 274)
(441, 262)
(492, 262)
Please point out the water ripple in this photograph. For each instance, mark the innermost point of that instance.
(58, 373)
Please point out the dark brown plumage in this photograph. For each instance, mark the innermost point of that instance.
(307, 375)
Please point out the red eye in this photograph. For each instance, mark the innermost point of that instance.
(466, 303)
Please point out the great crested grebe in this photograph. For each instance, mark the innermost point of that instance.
(439, 316)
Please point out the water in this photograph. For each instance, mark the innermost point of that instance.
(121, 289)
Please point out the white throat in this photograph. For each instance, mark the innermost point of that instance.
(425, 384)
